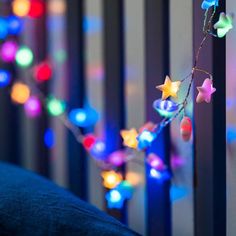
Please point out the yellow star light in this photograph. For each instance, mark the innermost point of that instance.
(111, 179)
(130, 138)
(169, 88)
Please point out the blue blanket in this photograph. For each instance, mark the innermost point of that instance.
(31, 205)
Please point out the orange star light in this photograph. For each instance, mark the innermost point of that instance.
(130, 138)
(111, 179)
(169, 88)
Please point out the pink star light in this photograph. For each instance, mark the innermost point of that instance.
(205, 91)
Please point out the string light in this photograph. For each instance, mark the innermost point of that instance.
(111, 179)
(209, 3)
(33, 107)
(20, 93)
(8, 51)
(5, 78)
(205, 91)
(114, 199)
(145, 139)
(37, 8)
(223, 25)
(88, 141)
(83, 117)
(43, 72)
(98, 150)
(24, 56)
(55, 107)
(125, 189)
(15, 25)
(3, 28)
(165, 108)
(155, 162)
(117, 158)
(186, 128)
(21, 7)
(169, 88)
(130, 138)
(49, 138)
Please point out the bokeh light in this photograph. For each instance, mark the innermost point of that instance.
(20, 93)
(21, 7)
(24, 56)
(43, 72)
(55, 106)
(37, 8)
(8, 51)
(15, 25)
(33, 107)
(49, 138)
(5, 78)
(57, 7)
(3, 28)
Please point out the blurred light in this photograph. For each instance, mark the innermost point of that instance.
(155, 173)
(20, 93)
(160, 175)
(98, 150)
(56, 7)
(231, 135)
(60, 56)
(3, 28)
(126, 189)
(130, 138)
(165, 108)
(88, 141)
(114, 199)
(117, 158)
(33, 107)
(8, 51)
(49, 138)
(178, 193)
(155, 162)
(95, 72)
(83, 117)
(37, 8)
(21, 7)
(145, 139)
(43, 72)
(5, 78)
(24, 56)
(92, 24)
(111, 179)
(55, 106)
(147, 126)
(15, 25)
(209, 3)
(177, 162)
(186, 128)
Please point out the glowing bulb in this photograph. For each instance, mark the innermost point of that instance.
(125, 189)
(55, 106)
(165, 108)
(5, 78)
(114, 199)
(21, 7)
(57, 7)
(15, 25)
(83, 117)
(24, 56)
(117, 158)
(88, 141)
(20, 93)
(33, 107)
(37, 8)
(98, 150)
(111, 179)
(155, 173)
(130, 138)
(42, 72)
(209, 3)
(3, 28)
(224, 24)
(186, 128)
(8, 51)
(145, 139)
(49, 138)
(155, 162)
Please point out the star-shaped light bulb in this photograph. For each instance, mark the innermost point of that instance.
(130, 138)
(223, 25)
(111, 179)
(205, 91)
(169, 88)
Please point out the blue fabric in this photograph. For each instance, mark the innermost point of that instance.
(31, 205)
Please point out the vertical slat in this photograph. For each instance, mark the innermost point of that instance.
(135, 106)
(157, 67)
(77, 157)
(181, 65)
(56, 26)
(114, 76)
(94, 89)
(231, 124)
(210, 162)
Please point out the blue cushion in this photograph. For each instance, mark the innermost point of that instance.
(32, 205)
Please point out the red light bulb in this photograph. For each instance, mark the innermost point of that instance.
(43, 72)
(89, 141)
(37, 8)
